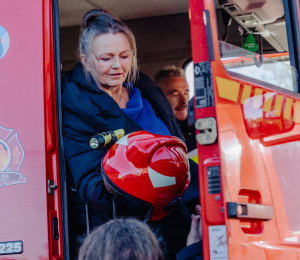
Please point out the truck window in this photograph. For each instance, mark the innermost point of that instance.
(189, 74)
(264, 34)
(274, 68)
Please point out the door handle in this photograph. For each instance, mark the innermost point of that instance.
(249, 211)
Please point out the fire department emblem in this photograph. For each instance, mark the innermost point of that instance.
(11, 158)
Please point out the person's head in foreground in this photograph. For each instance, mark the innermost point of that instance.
(121, 239)
(173, 83)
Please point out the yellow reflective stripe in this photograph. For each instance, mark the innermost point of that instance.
(228, 89)
(268, 101)
(193, 155)
(278, 105)
(195, 159)
(288, 108)
(246, 95)
(296, 117)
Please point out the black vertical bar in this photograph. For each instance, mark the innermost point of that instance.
(87, 220)
(209, 36)
(62, 168)
(293, 34)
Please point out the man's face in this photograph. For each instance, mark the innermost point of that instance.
(177, 92)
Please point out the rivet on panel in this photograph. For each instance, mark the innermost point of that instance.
(207, 138)
(199, 124)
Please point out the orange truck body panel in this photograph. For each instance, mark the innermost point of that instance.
(259, 146)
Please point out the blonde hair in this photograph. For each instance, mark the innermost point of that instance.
(121, 239)
(98, 22)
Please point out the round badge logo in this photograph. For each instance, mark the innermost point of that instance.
(4, 42)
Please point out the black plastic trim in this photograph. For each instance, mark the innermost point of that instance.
(209, 37)
(186, 63)
(62, 167)
(293, 34)
(55, 233)
(231, 210)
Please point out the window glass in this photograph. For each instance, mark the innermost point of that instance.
(189, 74)
(276, 70)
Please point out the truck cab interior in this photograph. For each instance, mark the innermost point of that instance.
(162, 31)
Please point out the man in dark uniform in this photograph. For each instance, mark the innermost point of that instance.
(173, 83)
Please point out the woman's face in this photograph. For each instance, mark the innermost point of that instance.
(110, 60)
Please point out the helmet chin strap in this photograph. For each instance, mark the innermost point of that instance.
(115, 216)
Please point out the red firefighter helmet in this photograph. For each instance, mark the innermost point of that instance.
(148, 167)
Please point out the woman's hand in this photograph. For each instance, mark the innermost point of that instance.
(110, 189)
(195, 234)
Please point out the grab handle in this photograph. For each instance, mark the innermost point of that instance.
(249, 211)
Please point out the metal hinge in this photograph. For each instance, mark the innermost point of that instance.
(208, 130)
(51, 187)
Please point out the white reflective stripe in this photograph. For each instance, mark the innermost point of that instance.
(123, 140)
(192, 153)
(158, 180)
(291, 239)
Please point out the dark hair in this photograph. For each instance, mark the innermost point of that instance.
(98, 22)
(168, 72)
(121, 239)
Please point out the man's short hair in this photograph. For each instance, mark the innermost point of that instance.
(168, 72)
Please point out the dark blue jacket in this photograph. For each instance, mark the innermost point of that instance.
(192, 252)
(88, 111)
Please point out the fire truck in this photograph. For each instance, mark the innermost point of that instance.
(244, 61)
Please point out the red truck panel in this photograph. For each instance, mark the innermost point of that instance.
(24, 161)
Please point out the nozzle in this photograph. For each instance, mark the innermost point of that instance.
(101, 140)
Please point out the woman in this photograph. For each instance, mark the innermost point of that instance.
(98, 96)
